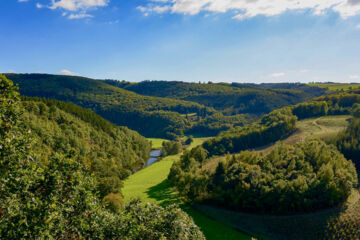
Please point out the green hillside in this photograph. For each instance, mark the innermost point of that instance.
(228, 98)
(112, 153)
(150, 116)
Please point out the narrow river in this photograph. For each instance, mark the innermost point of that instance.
(154, 155)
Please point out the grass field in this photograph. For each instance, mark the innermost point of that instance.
(150, 185)
(322, 127)
(336, 86)
(156, 143)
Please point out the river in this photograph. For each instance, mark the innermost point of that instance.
(154, 155)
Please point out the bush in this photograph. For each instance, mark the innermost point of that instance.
(170, 148)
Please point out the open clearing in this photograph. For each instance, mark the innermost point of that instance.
(322, 127)
(156, 143)
(150, 185)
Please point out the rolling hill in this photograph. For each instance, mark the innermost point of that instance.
(232, 98)
(150, 116)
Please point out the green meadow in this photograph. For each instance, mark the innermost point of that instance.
(156, 143)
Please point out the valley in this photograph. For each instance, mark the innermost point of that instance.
(151, 185)
(232, 173)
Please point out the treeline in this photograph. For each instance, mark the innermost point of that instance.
(270, 128)
(231, 99)
(348, 142)
(56, 197)
(307, 177)
(214, 124)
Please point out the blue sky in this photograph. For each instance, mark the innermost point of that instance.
(188, 40)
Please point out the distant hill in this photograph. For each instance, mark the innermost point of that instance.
(150, 116)
(232, 98)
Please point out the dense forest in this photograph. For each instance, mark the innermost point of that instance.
(231, 99)
(307, 177)
(55, 197)
(269, 129)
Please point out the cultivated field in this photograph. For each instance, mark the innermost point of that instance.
(337, 86)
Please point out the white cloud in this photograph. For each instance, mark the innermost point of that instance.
(280, 74)
(304, 70)
(79, 15)
(354, 77)
(154, 9)
(252, 8)
(11, 71)
(68, 73)
(77, 5)
(74, 9)
(358, 26)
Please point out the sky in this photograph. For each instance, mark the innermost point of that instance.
(187, 40)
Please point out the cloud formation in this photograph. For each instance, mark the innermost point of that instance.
(280, 74)
(73, 9)
(250, 8)
(68, 73)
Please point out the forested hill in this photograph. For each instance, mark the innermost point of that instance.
(150, 116)
(112, 153)
(232, 98)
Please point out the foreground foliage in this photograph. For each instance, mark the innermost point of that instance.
(55, 198)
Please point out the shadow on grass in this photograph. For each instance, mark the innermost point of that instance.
(164, 194)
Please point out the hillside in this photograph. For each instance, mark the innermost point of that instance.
(228, 98)
(150, 116)
(112, 153)
(325, 128)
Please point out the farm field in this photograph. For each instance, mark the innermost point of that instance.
(336, 86)
(150, 185)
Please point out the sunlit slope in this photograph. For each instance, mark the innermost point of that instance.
(323, 127)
